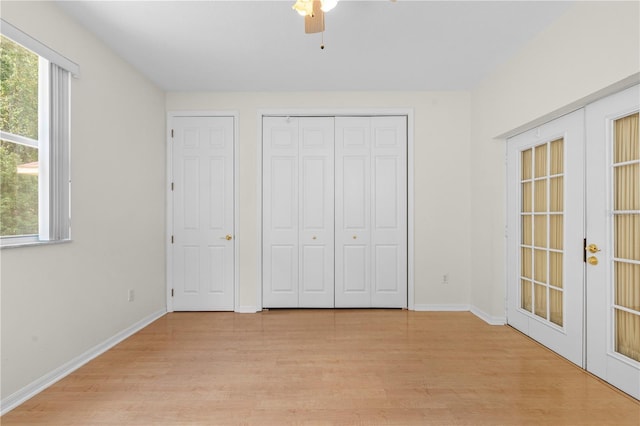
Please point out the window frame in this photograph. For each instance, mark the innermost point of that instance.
(42, 144)
(54, 183)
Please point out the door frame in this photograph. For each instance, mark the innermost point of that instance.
(171, 115)
(342, 112)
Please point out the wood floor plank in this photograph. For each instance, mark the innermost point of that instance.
(327, 367)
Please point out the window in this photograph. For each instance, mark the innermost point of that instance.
(20, 80)
(34, 140)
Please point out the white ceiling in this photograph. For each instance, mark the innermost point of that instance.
(261, 45)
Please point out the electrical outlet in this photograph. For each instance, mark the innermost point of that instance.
(131, 295)
(445, 279)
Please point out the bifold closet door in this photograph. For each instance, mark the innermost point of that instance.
(298, 209)
(371, 212)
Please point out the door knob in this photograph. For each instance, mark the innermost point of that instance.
(228, 237)
(593, 248)
(592, 260)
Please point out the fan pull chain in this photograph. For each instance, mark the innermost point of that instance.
(322, 42)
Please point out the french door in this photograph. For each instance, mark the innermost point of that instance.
(613, 240)
(574, 237)
(545, 234)
(203, 213)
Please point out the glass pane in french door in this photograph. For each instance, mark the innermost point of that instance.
(626, 236)
(541, 246)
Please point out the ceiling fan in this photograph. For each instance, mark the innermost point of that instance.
(313, 12)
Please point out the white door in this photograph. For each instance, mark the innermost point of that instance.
(353, 212)
(297, 216)
(280, 213)
(316, 247)
(371, 212)
(613, 240)
(203, 213)
(545, 224)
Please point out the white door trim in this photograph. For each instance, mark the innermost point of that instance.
(338, 112)
(171, 115)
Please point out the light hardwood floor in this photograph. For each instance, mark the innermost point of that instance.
(324, 367)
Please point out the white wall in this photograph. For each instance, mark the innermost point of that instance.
(593, 45)
(441, 179)
(59, 301)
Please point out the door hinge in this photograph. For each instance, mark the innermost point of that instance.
(171, 292)
(171, 132)
(172, 239)
(172, 186)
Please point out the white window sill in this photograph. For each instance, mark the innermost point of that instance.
(8, 244)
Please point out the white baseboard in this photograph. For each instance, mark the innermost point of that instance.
(12, 401)
(491, 320)
(247, 309)
(441, 308)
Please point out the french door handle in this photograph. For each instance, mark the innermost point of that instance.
(593, 248)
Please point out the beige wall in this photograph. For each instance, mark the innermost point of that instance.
(594, 45)
(441, 146)
(59, 301)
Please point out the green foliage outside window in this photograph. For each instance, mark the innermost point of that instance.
(19, 116)
(18, 192)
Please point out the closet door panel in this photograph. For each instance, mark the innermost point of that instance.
(355, 275)
(386, 200)
(387, 261)
(389, 212)
(353, 212)
(314, 289)
(356, 200)
(280, 261)
(316, 210)
(283, 193)
(284, 270)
